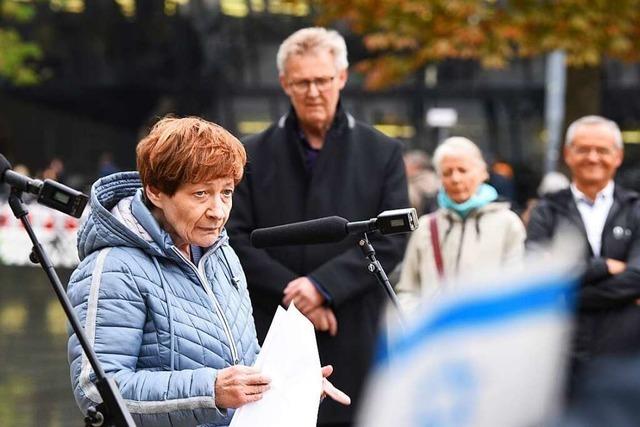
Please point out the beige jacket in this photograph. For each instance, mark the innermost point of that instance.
(489, 238)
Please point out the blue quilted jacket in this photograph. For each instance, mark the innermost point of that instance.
(160, 325)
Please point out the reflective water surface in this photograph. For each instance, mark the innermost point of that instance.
(34, 375)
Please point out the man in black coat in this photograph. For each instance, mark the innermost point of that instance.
(318, 161)
(607, 216)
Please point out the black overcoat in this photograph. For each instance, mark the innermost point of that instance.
(358, 174)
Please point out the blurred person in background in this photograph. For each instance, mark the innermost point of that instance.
(423, 185)
(55, 170)
(501, 178)
(471, 231)
(160, 292)
(106, 165)
(317, 161)
(551, 182)
(422, 180)
(607, 217)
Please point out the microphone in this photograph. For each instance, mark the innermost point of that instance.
(333, 229)
(50, 193)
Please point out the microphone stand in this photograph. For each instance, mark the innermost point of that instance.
(112, 411)
(376, 269)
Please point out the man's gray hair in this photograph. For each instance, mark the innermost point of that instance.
(590, 121)
(312, 39)
(458, 146)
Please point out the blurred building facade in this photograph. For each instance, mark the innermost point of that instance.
(111, 66)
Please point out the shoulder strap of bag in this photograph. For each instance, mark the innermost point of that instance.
(435, 242)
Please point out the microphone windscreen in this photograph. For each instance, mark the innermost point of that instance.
(4, 165)
(321, 230)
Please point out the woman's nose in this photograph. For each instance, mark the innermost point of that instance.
(216, 208)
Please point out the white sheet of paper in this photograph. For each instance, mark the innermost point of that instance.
(289, 356)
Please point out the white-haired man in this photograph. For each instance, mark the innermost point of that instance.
(608, 217)
(317, 161)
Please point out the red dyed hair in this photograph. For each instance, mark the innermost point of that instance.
(188, 150)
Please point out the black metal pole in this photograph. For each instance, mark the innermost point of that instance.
(376, 269)
(113, 411)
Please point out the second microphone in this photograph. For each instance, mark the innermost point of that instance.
(333, 229)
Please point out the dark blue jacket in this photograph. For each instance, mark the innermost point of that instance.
(609, 316)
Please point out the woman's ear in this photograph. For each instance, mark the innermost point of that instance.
(154, 195)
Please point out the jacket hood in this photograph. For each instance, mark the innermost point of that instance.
(118, 217)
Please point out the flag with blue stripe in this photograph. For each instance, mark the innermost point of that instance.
(488, 356)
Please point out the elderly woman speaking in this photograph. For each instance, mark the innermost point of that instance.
(161, 293)
(470, 232)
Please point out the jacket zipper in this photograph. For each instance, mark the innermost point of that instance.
(214, 300)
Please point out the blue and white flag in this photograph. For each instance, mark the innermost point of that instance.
(492, 357)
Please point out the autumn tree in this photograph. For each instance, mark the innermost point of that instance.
(16, 54)
(405, 35)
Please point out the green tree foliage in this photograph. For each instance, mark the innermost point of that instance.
(404, 35)
(16, 54)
